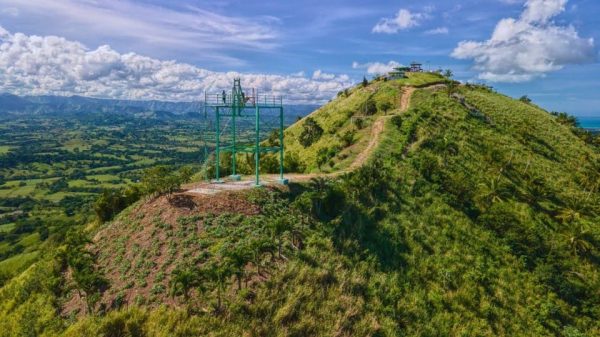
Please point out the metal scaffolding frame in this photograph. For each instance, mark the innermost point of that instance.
(235, 107)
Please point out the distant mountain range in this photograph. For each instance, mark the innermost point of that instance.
(12, 106)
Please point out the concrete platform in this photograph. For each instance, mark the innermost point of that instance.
(214, 187)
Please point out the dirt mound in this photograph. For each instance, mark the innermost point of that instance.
(138, 251)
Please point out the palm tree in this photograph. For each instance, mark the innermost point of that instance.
(260, 246)
(580, 239)
(237, 257)
(319, 186)
(492, 191)
(571, 213)
(278, 227)
(218, 273)
(183, 280)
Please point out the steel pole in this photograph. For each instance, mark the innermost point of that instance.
(281, 143)
(218, 145)
(234, 150)
(257, 146)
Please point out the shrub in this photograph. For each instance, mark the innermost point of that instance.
(292, 163)
(359, 123)
(162, 179)
(369, 107)
(111, 202)
(384, 106)
(311, 132)
(397, 121)
(322, 156)
(566, 119)
(347, 138)
(525, 99)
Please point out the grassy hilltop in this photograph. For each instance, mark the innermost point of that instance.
(475, 215)
(346, 124)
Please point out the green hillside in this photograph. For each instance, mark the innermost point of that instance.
(346, 124)
(476, 215)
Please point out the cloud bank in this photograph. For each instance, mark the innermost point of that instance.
(51, 65)
(150, 27)
(528, 47)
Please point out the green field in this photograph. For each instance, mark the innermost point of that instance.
(18, 262)
(52, 169)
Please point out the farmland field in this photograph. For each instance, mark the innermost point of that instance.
(52, 169)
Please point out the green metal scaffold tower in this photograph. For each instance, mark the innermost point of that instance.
(231, 109)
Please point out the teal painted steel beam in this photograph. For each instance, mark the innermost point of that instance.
(281, 144)
(218, 146)
(257, 155)
(233, 155)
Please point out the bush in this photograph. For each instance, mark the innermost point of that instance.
(384, 106)
(525, 99)
(566, 119)
(161, 179)
(311, 132)
(397, 121)
(292, 163)
(347, 138)
(270, 163)
(111, 202)
(359, 123)
(369, 107)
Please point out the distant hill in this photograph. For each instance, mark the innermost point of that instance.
(12, 106)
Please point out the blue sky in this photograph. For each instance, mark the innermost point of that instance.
(305, 50)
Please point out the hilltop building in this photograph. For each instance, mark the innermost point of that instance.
(397, 73)
(416, 67)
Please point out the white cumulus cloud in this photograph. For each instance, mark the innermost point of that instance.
(320, 75)
(51, 65)
(376, 68)
(438, 31)
(528, 47)
(404, 19)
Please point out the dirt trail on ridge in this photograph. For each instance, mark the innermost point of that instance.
(360, 160)
(405, 98)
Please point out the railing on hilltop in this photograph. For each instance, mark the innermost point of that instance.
(229, 100)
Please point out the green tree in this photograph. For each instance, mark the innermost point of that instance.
(369, 107)
(88, 281)
(111, 202)
(580, 239)
(311, 132)
(277, 228)
(183, 279)
(451, 87)
(218, 272)
(322, 156)
(348, 137)
(566, 119)
(237, 256)
(384, 106)
(163, 180)
(525, 99)
(365, 82)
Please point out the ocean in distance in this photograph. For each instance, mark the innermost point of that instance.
(589, 122)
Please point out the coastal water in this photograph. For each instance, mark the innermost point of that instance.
(588, 122)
